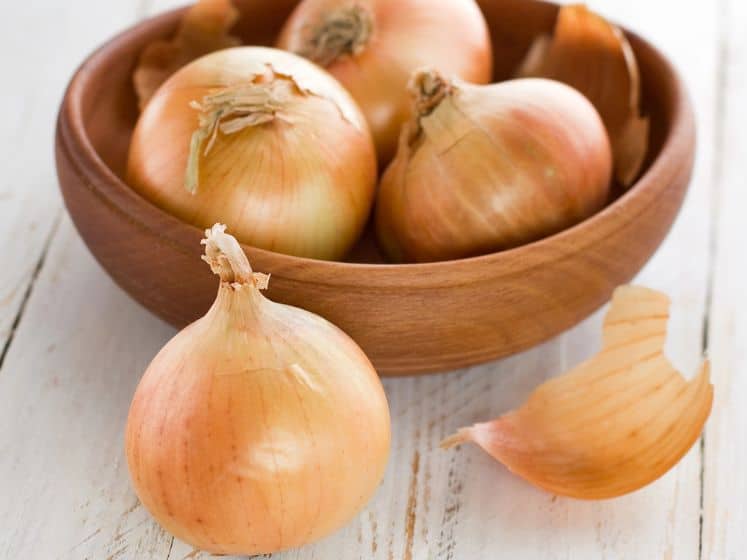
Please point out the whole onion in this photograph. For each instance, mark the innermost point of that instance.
(264, 141)
(373, 46)
(259, 427)
(485, 168)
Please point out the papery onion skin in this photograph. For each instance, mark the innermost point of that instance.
(260, 427)
(590, 54)
(614, 423)
(204, 28)
(404, 35)
(491, 167)
(302, 184)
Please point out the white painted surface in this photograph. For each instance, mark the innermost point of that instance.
(80, 345)
(725, 490)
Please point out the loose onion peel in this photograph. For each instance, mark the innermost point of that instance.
(614, 423)
(594, 56)
(203, 29)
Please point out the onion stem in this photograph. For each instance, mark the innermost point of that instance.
(428, 88)
(227, 259)
(342, 32)
(230, 110)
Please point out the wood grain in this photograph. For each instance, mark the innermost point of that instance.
(50, 401)
(29, 201)
(408, 318)
(64, 478)
(725, 486)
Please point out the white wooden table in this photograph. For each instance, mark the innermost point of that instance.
(72, 347)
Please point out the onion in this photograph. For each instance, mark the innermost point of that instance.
(614, 423)
(373, 46)
(267, 142)
(485, 168)
(260, 427)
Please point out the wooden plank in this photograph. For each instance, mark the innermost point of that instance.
(29, 203)
(725, 487)
(78, 354)
(44, 42)
(81, 346)
(62, 402)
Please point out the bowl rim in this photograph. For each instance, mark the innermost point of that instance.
(97, 176)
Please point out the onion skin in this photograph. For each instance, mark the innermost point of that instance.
(612, 424)
(302, 184)
(593, 56)
(405, 35)
(203, 29)
(260, 427)
(490, 168)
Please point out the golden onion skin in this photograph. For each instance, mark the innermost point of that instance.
(405, 36)
(493, 167)
(302, 184)
(593, 56)
(612, 424)
(258, 428)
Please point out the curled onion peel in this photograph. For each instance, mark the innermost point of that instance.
(264, 141)
(614, 423)
(373, 46)
(485, 168)
(260, 427)
(203, 29)
(594, 56)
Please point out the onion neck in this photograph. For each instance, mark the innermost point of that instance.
(343, 32)
(227, 259)
(230, 110)
(428, 89)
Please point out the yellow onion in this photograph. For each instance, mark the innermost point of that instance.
(373, 46)
(485, 168)
(260, 427)
(614, 423)
(264, 141)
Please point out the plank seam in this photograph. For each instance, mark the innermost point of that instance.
(29, 288)
(722, 63)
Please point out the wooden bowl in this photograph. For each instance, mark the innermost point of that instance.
(408, 318)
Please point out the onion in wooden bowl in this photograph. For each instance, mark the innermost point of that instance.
(408, 318)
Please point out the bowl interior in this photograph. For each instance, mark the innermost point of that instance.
(110, 112)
